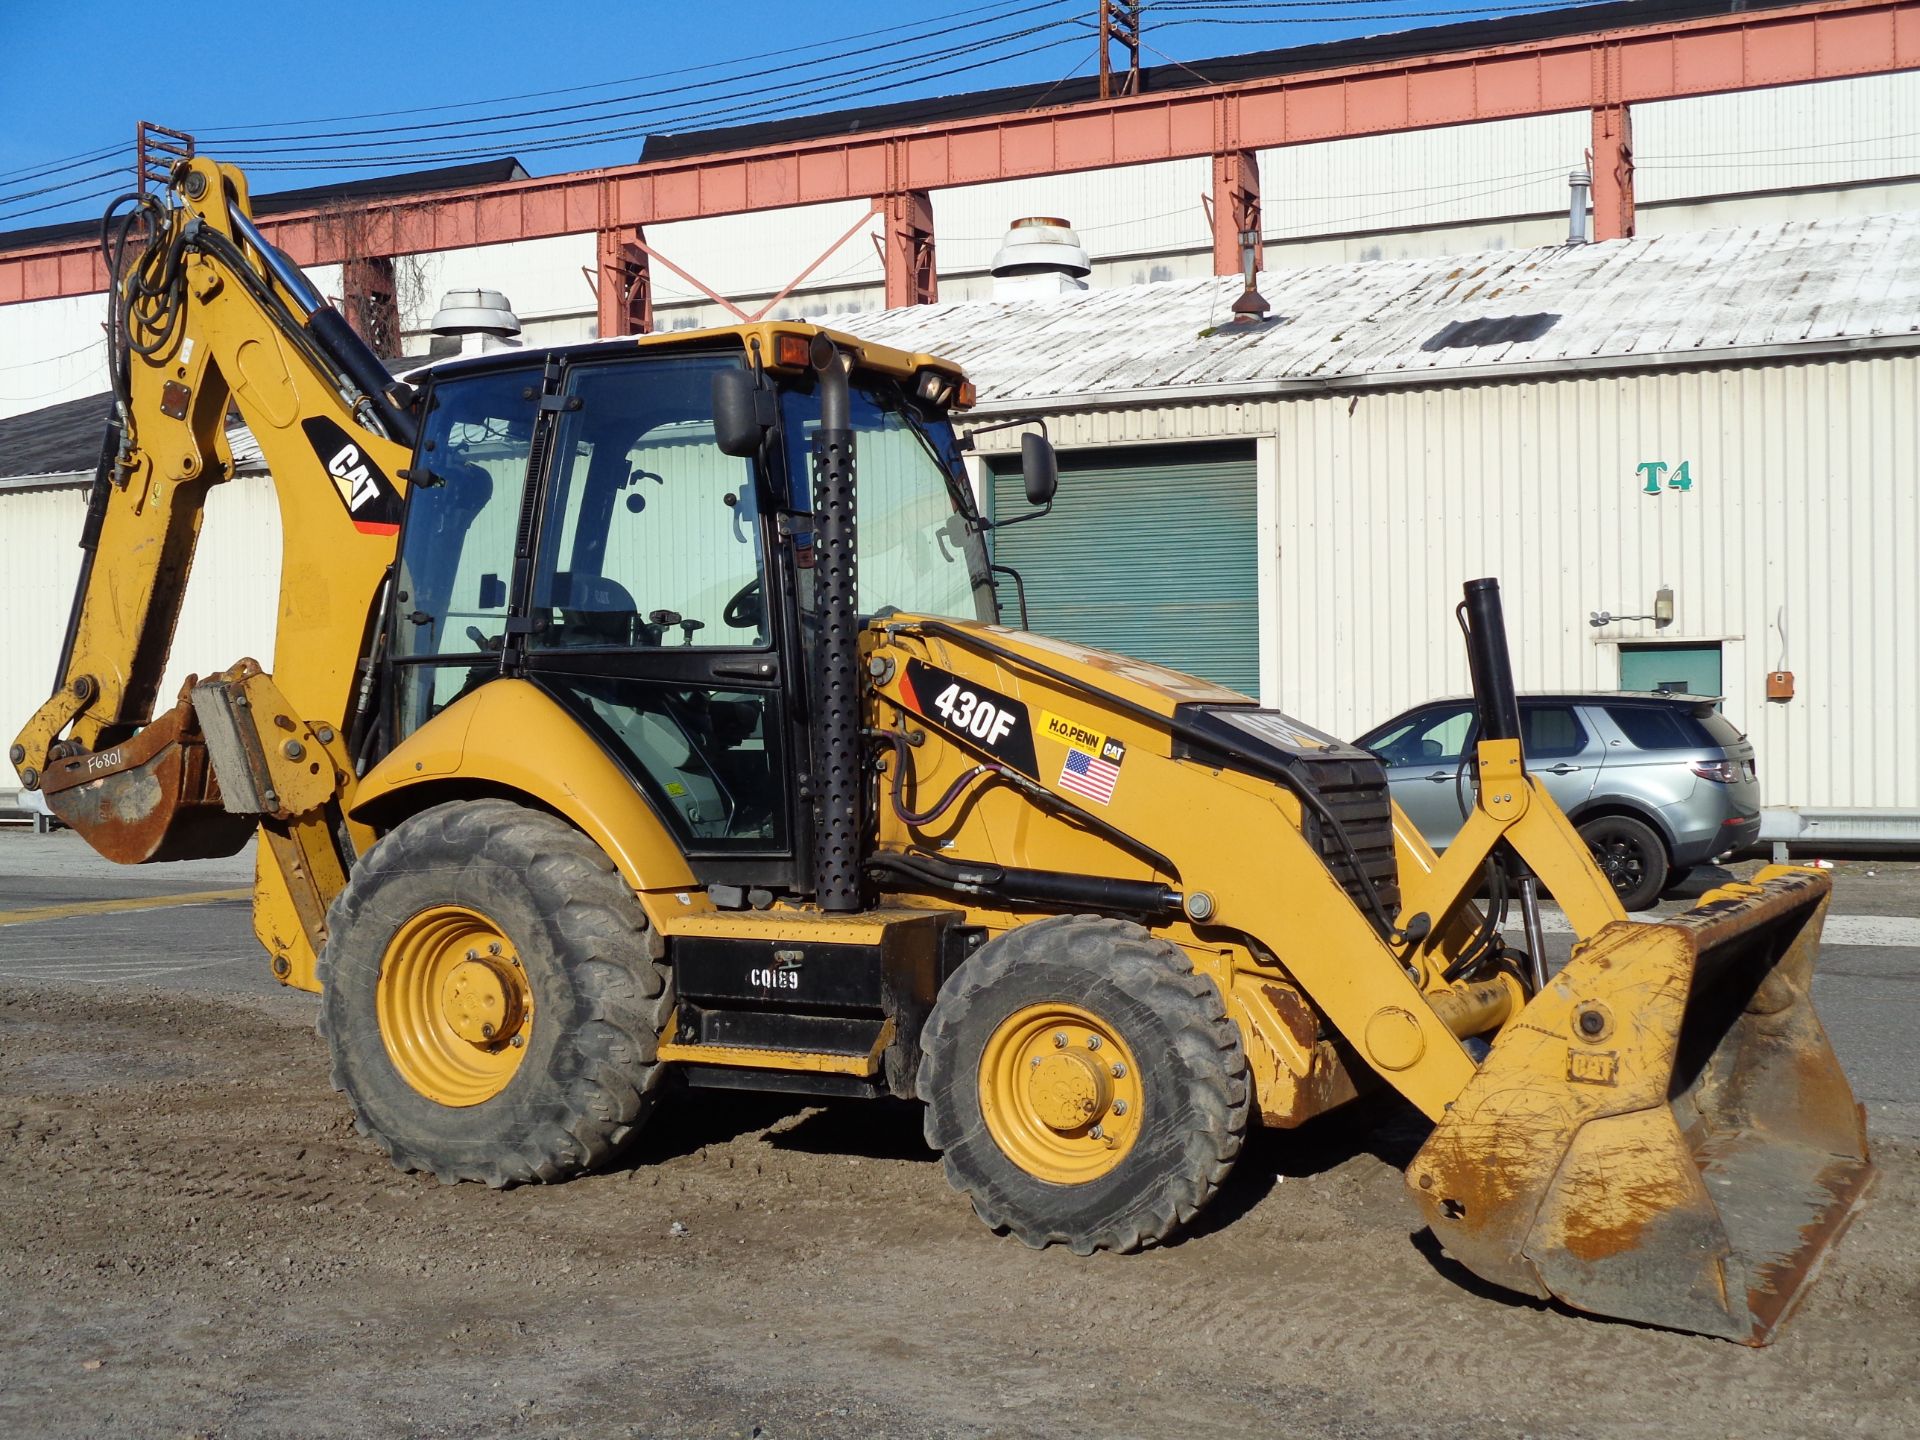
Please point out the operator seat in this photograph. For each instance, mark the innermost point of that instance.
(594, 610)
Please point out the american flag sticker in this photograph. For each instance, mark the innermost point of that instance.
(1089, 775)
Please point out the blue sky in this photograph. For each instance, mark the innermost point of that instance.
(302, 92)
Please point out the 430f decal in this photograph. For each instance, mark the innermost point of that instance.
(981, 718)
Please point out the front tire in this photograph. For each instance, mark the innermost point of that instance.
(1631, 856)
(1085, 1086)
(491, 997)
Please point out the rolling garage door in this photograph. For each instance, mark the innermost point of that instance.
(1150, 552)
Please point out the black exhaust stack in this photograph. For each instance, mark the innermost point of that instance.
(1488, 659)
(837, 760)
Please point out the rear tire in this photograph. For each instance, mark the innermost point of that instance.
(575, 960)
(1632, 857)
(1034, 1002)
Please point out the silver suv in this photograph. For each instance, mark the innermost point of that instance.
(1656, 783)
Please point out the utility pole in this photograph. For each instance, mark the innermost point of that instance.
(1119, 23)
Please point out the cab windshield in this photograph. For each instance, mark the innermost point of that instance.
(917, 552)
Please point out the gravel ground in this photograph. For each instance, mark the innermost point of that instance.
(193, 1241)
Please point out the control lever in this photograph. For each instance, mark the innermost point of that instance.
(687, 627)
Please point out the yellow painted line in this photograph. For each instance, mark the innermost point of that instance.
(108, 907)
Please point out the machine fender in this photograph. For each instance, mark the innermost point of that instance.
(509, 737)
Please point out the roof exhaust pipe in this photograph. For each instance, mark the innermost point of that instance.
(1578, 183)
(1251, 308)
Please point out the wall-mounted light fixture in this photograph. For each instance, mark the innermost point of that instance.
(1662, 615)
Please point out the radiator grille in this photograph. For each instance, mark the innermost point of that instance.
(1356, 793)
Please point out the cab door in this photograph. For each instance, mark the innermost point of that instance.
(645, 611)
(449, 612)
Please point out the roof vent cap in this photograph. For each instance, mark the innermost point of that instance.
(475, 312)
(1041, 256)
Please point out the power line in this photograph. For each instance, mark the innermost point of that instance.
(54, 359)
(656, 117)
(63, 204)
(259, 144)
(65, 163)
(748, 112)
(1326, 19)
(97, 176)
(785, 50)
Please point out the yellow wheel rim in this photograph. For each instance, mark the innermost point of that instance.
(1060, 1093)
(454, 1005)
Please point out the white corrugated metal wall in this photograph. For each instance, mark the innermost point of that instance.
(1804, 511)
(231, 599)
(53, 350)
(1375, 506)
(1420, 192)
(1839, 131)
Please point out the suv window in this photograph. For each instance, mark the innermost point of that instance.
(1717, 729)
(1431, 737)
(1668, 727)
(1551, 731)
(1651, 727)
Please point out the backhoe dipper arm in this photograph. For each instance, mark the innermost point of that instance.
(207, 316)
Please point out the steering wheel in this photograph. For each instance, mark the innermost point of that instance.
(748, 608)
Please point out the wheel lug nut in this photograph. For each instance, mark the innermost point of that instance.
(1093, 1042)
(493, 948)
(518, 1041)
(1036, 1062)
(486, 1029)
(1059, 1039)
(1119, 1107)
(1097, 1133)
(473, 954)
(1119, 1071)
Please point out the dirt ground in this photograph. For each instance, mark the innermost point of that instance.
(193, 1241)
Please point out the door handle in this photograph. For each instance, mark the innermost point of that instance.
(1440, 777)
(1562, 769)
(743, 669)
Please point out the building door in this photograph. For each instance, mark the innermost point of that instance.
(1679, 669)
(1148, 552)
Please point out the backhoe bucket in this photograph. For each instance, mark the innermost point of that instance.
(153, 797)
(1663, 1134)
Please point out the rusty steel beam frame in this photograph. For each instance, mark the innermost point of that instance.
(907, 251)
(623, 284)
(1597, 70)
(1234, 208)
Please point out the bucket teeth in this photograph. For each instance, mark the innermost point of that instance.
(1663, 1134)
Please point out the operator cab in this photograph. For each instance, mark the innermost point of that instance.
(575, 520)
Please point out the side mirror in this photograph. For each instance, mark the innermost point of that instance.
(1039, 468)
(743, 412)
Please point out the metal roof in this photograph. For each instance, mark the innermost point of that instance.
(60, 444)
(337, 192)
(1800, 287)
(1175, 75)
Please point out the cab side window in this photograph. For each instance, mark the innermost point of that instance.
(651, 537)
(456, 552)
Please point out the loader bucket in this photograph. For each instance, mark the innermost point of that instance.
(1663, 1134)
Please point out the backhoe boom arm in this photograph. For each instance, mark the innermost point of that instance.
(206, 318)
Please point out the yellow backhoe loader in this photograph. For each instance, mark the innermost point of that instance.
(642, 713)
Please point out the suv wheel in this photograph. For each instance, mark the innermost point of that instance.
(1630, 855)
